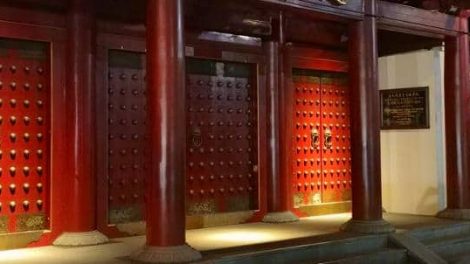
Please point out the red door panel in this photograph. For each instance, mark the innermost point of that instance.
(222, 152)
(25, 135)
(128, 157)
(321, 168)
(307, 177)
(336, 158)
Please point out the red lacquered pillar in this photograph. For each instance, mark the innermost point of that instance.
(365, 128)
(165, 203)
(278, 179)
(457, 122)
(79, 223)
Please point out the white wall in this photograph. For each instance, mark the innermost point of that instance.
(413, 161)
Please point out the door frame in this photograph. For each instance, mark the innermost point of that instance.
(105, 43)
(211, 50)
(196, 48)
(312, 58)
(55, 37)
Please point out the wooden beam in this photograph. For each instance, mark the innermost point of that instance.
(391, 16)
(417, 20)
(321, 9)
(40, 17)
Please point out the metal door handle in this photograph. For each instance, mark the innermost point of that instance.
(328, 142)
(315, 136)
(196, 137)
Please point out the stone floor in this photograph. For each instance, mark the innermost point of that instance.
(216, 239)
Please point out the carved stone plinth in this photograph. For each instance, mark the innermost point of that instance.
(280, 217)
(367, 227)
(74, 239)
(177, 254)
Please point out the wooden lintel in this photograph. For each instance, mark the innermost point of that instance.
(413, 31)
(391, 16)
(416, 20)
(115, 27)
(40, 17)
(323, 9)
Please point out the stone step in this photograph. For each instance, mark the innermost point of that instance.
(430, 235)
(318, 252)
(443, 242)
(448, 249)
(387, 256)
(460, 258)
(416, 250)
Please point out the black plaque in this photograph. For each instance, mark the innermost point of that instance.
(406, 108)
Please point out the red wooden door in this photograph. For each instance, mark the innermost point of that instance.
(128, 157)
(222, 142)
(25, 135)
(307, 174)
(221, 137)
(321, 167)
(336, 141)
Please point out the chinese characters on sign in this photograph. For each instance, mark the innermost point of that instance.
(406, 108)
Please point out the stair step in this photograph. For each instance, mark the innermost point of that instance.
(452, 248)
(416, 250)
(429, 235)
(460, 258)
(319, 251)
(387, 256)
(442, 242)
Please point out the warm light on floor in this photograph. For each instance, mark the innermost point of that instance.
(241, 236)
(19, 254)
(202, 239)
(256, 233)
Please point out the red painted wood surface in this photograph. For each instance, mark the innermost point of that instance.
(113, 54)
(165, 208)
(80, 186)
(253, 57)
(457, 116)
(25, 117)
(108, 44)
(286, 126)
(276, 197)
(54, 39)
(55, 35)
(321, 169)
(353, 10)
(307, 177)
(128, 140)
(222, 166)
(303, 88)
(33, 16)
(365, 127)
(413, 20)
(335, 138)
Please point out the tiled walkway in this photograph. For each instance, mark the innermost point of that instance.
(208, 239)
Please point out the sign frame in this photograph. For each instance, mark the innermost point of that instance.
(421, 115)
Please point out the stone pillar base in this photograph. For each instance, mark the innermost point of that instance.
(74, 239)
(455, 214)
(367, 227)
(176, 254)
(280, 217)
